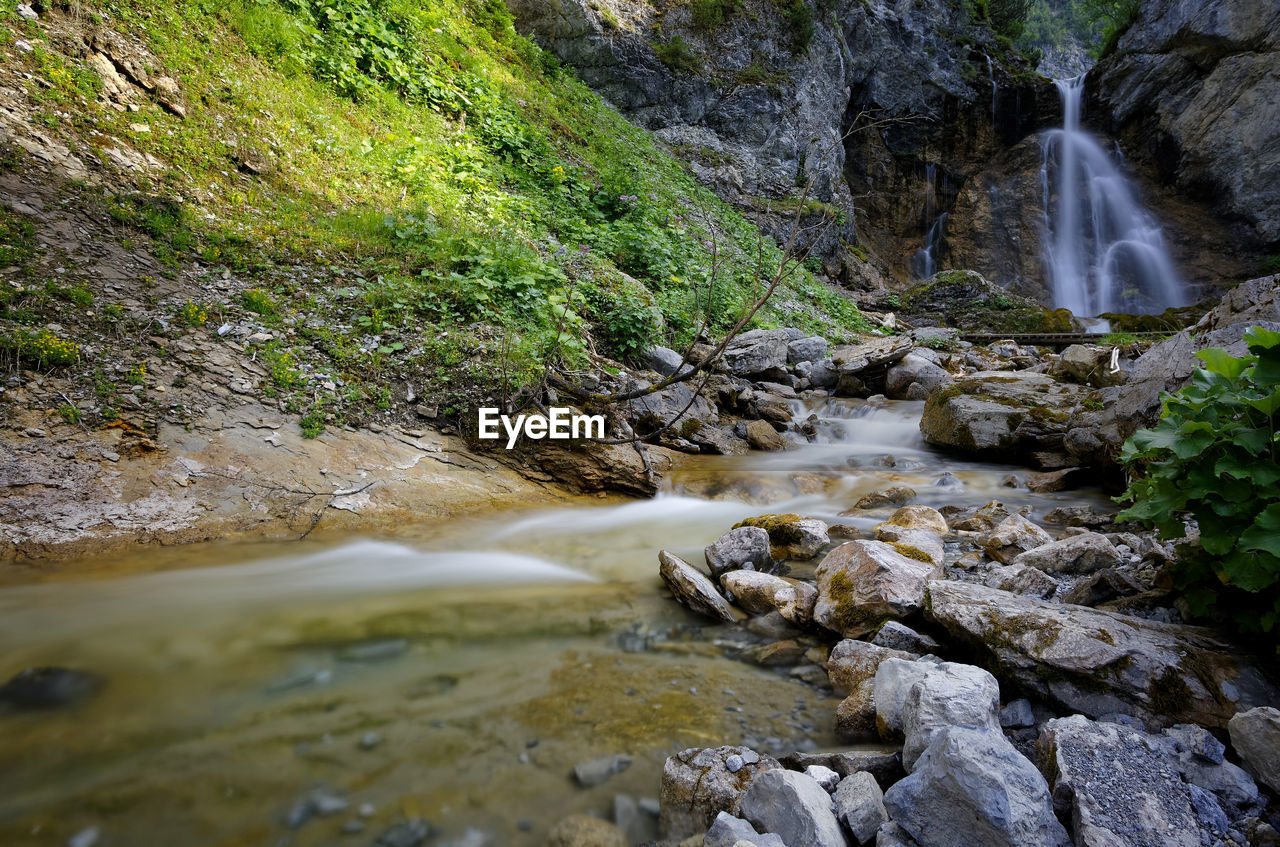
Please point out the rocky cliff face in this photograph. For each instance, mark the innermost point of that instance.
(856, 108)
(893, 112)
(1193, 93)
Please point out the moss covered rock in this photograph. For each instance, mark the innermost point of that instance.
(965, 300)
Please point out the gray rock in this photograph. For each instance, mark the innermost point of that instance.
(851, 360)
(1001, 414)
(1077, 554)
(692, 589)
(760, 352)
(760, 594)
(853, 662)
(1014, 536)
(824, 776)
(884, 763)
(89, 836)
(1098, 662)
(793, 806)
(662, 360)
(1208, 811)
(914, 543)
(893, 496)
(860, 806)
(726, 831)
(823, 374)
(975, 776)
(744, 548)
(897, 636)
(948, 695)
(861, 583)
(893, 680)
(1116, 787)
(697, 786)
(1022, 579)
(811, 349)
(892, 835)
(601, 770)
(761, 436)
(915, 378)
(638, 825)
(1017, 715)
(1255, 735)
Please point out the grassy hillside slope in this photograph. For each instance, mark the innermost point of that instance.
(452, 208)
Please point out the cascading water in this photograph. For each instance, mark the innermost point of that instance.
(924, 263)
(1103, 251)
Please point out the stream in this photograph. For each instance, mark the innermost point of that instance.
(454, 671)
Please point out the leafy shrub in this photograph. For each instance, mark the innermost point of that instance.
(43, 347)
(192, 314)
(258, 301)
(1213, 458)
(677, 56)
(712, 14)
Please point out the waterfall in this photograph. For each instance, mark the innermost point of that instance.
(1103, 250)
(924, 263)
(995, 88)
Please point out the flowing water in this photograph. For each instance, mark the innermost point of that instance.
(489, 655)
(924, 262)
(1104, 251)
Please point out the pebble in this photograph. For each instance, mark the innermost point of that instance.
(370, 740)
(367, 810)
(734, 763)
(34, 432)
(410, 833)
(353, 827)
(374, 651)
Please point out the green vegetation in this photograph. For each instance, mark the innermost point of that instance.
(1213, 458)
(460, 211)
(1095, 25)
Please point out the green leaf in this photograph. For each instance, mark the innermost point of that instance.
(1219, 361)
(1261, 338)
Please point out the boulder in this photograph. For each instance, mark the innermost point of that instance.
(919, 517)
(793, 806)
(1255, 735)
(601, 770)
(662, 360)
(1002, 414)
(948, 695)
(972, 787)
(894, 496)
(860, 583)
(966, 301)
(758, 353)
(824, 776)
(893, 681)
(1101, 587)
(676, 406)
(1199, 757)
(983, 519)
(1099, 662)
(1012, 537)
(853, 663)
(1076, 554)
(915, 378)
(860, 806)
(1089, 365)
(1116, 786)
(692, 589)
(792, 536)
(856, 715)
(851, 360)
(921, 544)
(755, 592)
(823, 375)
(897, 636)
(698, 784)
(741, 548)
(1021, 579)
(726, 831)
(811, 349)
(762, 436)
(1017, 715)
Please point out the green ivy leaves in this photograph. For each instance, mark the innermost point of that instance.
(1213, 458)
